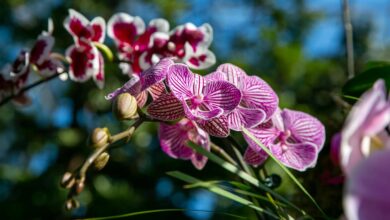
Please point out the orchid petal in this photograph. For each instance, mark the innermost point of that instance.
(77, 25)
(201, 59)
(197, 113)
(98, 77)
(142, 98)
(304, 127)
(256, 93)
(50, 67)
(157, 90)
(222, 94)
(298, 156)
(245, 117)
(217, 127)
(180, 81)
(82, 63)
(173, 139)
(156, 73)
(133, 86)
(160, 24)
(99, 29)
(266, 133)
(166, 108)
(201, 138)
(255, 158)
(41, 49)
(124, 28)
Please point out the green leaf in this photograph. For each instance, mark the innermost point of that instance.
(243, 175)
(159, 211)
(285, 170)
(217, 190)
(363, 81)
(375, 63)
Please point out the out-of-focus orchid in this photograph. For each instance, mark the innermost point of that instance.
(204, 101)
(294, 138)
(258, 102)
(367, 191)
(143, 47)
(364, 129)
(85, 59)
(174, 138)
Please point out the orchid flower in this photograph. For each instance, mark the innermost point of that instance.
(258, 102)
(204, 101)
(134, 40)
(364, 129)
(294, 138)
(174, 138)
(367, 190)
(144, 46)
(85, 59)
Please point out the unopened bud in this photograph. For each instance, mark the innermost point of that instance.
(67, 180)
(101, 160)
(79, 187)
(71, 204)
(100, 137)
(125, 106)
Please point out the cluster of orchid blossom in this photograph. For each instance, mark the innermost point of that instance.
(40, 58)
(363, 151)
(222, 100)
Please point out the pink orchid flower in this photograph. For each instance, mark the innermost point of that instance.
(174, 138)
(294, 138)
(85, 59)
(364, 129)
(144, 46)
(258, 103)
(206, 102)
(367, 194)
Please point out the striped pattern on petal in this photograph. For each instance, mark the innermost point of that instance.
(142, 98)
(217, 127)
(256, 93)
(297, 156)
(157, 90)
(156, 73)
(173, 140)
(180, 81)
(167, 108)
(195, 114)
(222, 94)
(304, 127)
(255, 158)
(133, 86)
(266, 133)
(201, 138)
(233, 74)
(245, 117)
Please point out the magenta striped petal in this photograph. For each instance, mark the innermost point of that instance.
(258, 94)
(266, 133)
(233, 72)
(180, 81)
(195, 114)
(201, 138)
(222, 94)
(98, 26)
(304, 127)
(245, 117)
(156, 73)
(167, 108)
(133, 86)
(142, 98)
(198, 85)
(217, 127)
(173, 140)
(157, 90)
(255, 158)
(297, 156)
(124, 28)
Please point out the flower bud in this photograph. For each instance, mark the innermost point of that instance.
(125, 106)
(100, 137)
(79, 187)
(101, 160)
(67, 180)
(71, 204)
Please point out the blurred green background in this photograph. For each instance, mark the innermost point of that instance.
(297, 46)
